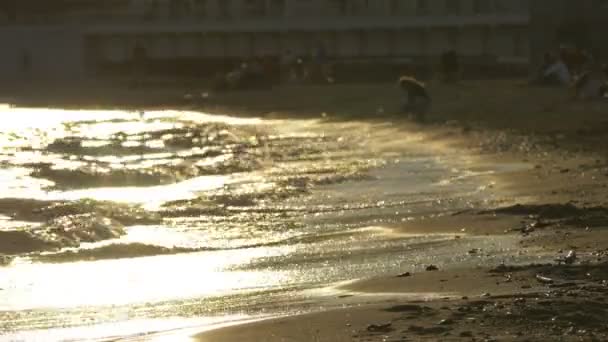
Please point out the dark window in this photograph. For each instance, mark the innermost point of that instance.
(255, 8)
(225, 9)
(277, 7)
(482, 6)
(422, 6)
(201, 8)
(452, 6)
(603, 4)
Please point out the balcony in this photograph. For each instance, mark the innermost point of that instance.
(270, 25)
(265, 14)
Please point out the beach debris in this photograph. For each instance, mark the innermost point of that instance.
(431, 268)
(380, 327)
(487, 294)
(404, 275)
(569, 259)
(544, 280)
(446, 321)
(539, 223)
(527, 229)
(474, 251)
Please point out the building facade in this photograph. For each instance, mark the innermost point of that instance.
(90, 35)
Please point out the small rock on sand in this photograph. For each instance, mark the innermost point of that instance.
(404, 275)
(432, 268)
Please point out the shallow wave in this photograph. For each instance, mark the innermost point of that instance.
(66, 231)
(129, 250)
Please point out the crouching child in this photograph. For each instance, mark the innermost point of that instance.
(417, 101)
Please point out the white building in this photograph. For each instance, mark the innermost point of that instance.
(82, 37)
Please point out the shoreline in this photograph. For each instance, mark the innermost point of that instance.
(558, 195)
(566, 174)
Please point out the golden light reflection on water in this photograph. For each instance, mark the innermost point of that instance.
(150, 197)
(152, 330)
(42, 126)
(46, 117)
(203, 274)
(130, 281)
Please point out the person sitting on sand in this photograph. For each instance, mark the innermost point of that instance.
(556, 72)
(234, 77)
(589, 85)
(575, 59)
(417, 100)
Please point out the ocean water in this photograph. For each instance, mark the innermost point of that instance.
(120, 225)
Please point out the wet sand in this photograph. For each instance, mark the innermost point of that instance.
(516, 308)
(554, 207)
(526, 303)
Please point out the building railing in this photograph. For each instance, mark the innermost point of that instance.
(320, 24)
(201, 11)
(252, 21)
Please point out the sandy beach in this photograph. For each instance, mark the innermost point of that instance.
(554, 208)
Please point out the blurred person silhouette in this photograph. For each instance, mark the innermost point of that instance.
(417, 101)
(554, 72)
